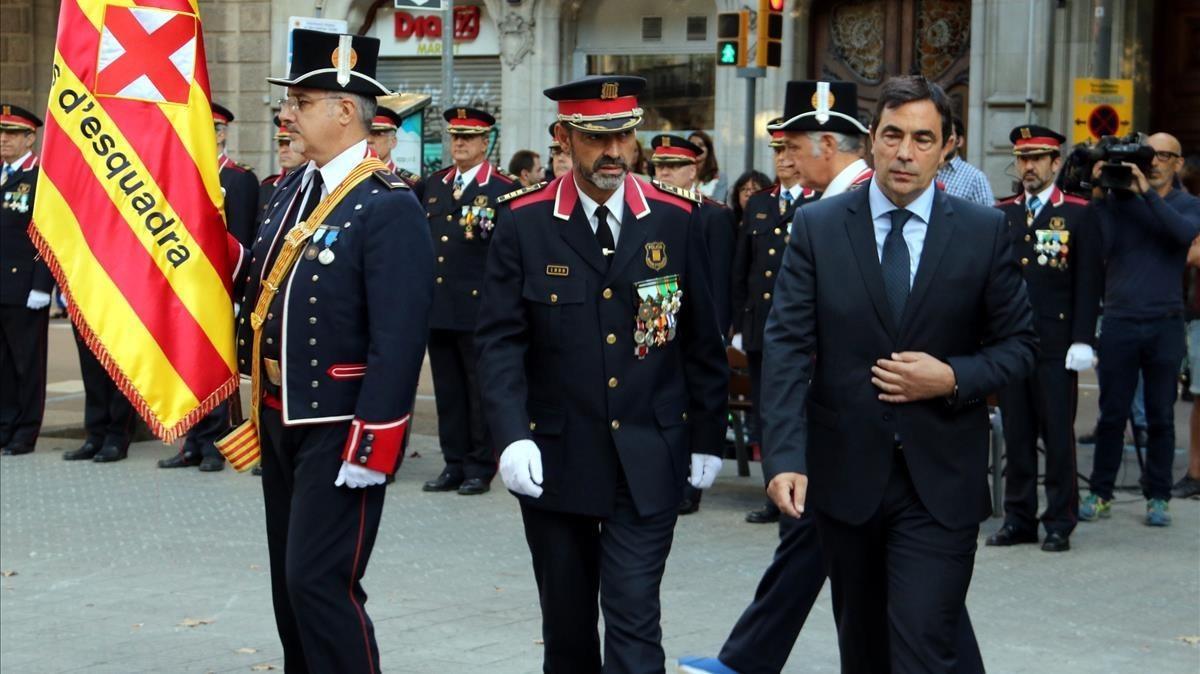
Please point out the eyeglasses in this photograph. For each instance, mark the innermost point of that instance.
(294, 104)
(1166, 156)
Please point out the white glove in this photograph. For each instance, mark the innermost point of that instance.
(355, 477)
(1080, 357)
(521, 468)
(704, 470)
(737, 342)
(37, 300)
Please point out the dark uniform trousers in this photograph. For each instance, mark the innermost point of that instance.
(461, 231)
(320, 539)
(108, 415)
(1064, 286)
(203, 436)
(22, 331)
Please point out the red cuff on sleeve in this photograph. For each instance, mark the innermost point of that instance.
(235, 253)
(377, 445)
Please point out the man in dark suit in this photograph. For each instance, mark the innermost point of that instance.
(461, 201)
(882, 344)
(238, 182)
(1058, 245)
(25, 287)
(602, 369)
(336, 311)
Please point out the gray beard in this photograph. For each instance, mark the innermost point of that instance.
(606, 182)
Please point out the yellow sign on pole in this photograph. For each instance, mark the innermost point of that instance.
(1102, 108)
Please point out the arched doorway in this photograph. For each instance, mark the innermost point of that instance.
(867, 41)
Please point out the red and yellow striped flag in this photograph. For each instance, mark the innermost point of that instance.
(129, 212)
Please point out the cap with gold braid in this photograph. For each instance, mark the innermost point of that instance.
(554, 144)
(777, 136)
(463, 121)
(281, 131)
(221, 114)
(670, 150)
(16, 118)
(1030, 139)
(600, 103)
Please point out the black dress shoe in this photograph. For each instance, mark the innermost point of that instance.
(212, 464)
(17, 449)
(443, 482)
(111, 453)
(256, 470)
(180, 460)
(1056, 542)
(1010, 535)
(765, 515)
(474, 486)
(84, 453)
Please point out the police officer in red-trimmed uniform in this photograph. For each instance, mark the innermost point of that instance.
(25, 285)
(1058, 246)
(461, 202)
(604, 378)
(383, 140)
(342, 341)
(289, 158)
(239, 183)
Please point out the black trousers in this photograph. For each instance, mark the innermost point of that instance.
(754, 359)
(108, 415)
(1041, 405)
(1155, 348)
(22, 373)
(899, 583)
(320, 538)
(204, 435)
(621, 558)
(763, 638)
(462, 430)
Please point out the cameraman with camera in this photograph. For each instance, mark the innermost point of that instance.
(1147, 225)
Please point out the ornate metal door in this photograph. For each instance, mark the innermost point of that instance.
(867, 41)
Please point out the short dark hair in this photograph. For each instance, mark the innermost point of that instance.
(522, 160)
(958, 126)
(898, 91)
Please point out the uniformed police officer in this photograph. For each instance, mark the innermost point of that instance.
(24, 289)
(290, 155)
(341, 337)
(1055, 240)
(461, 201)
(383, 140)
(560, 161)
(238, 182)
(108, 417)
(602, 368)
(756, 260)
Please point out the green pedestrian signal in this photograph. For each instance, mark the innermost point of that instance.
(728, 54)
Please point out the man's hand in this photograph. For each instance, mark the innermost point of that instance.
(356, 477)
(704, 470)
(1140, 184)
(788, 491)
(37, 300)
(911, 376)
(521, 468)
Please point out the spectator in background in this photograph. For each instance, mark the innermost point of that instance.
(1146, 233)
(708, 176)
(526, 165)
(1188, 486)
(641, 162)
(747, 185)
(960, 178)
(560, 161)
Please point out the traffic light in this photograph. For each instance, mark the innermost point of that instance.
(733, 30)
(769, 52)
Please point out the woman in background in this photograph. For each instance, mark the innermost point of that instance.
(709, 178)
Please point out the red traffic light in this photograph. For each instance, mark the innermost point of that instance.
(776, 5)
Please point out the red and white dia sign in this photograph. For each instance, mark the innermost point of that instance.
(412, 33)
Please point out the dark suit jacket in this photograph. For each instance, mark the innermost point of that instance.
(23, 269)
(557, 351)
(241, 201)
(831, 322)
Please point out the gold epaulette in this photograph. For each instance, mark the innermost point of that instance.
(393, 181)
(408, 175)
(690, 195)
(521, 192)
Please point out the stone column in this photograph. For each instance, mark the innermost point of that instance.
(237, 47)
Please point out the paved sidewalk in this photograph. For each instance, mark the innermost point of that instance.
(110, 564)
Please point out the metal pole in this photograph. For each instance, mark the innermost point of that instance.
(1102, 19)
(1029, 64)
(447, 69)
(751, 94)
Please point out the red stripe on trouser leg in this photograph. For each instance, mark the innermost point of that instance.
(362, 616)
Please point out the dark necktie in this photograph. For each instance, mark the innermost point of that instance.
(314, 197)
(604, 235)
(895, 263)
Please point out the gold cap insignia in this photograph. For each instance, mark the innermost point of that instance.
(1025, 132)
(814, 100)
(333, 58)
(462, 113)
(609, 90)
(666, 142)
(7, 110)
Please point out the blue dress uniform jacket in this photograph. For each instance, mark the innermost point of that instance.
(241, 200)
(462, 229)
(23, 269)
(1061, 259)
(761, 242)
(349, 334)
(558, 360)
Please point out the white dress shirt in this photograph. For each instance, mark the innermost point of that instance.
(616, 210)
(914, 230)
(841, 182)
(1043, 197)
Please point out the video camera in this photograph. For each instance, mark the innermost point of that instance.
(1113, 151)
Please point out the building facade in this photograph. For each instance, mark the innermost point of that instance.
(508, 51)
